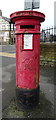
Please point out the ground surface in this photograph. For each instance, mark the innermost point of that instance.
(45, 108)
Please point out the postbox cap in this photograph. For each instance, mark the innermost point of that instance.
(27, 14)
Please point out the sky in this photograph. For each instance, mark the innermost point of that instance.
(46, 7)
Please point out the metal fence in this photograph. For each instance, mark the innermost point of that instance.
(48, 35)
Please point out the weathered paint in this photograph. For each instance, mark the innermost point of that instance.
(27, 61)
(27, 65)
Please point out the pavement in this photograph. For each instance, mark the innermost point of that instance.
(7, 57)
(7, 73)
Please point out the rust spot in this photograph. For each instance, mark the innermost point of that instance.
(20, 48)
(28, 95)
(18, 86)
(30, 13)
(19, 14)
(36, 79)
(26, 31)
(26, 88)
(21, 45)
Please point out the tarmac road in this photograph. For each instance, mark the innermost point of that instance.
(8, 78)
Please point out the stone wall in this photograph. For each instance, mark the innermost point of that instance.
(48, 54)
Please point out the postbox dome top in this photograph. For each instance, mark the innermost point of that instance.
(27, 13)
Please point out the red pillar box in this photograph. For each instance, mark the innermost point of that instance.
(27, 55)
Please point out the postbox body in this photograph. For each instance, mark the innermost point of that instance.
(27, 49)
(27, 62)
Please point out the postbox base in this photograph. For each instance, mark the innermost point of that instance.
(27, 98)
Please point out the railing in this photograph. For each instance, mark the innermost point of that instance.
(48, 35)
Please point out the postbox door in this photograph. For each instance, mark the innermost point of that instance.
(27, 61)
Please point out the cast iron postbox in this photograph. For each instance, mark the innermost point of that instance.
(27, 55)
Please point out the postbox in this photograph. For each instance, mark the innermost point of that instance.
(27, 24)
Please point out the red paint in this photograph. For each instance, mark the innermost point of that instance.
(27, 61)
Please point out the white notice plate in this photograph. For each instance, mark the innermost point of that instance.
(28, 41)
